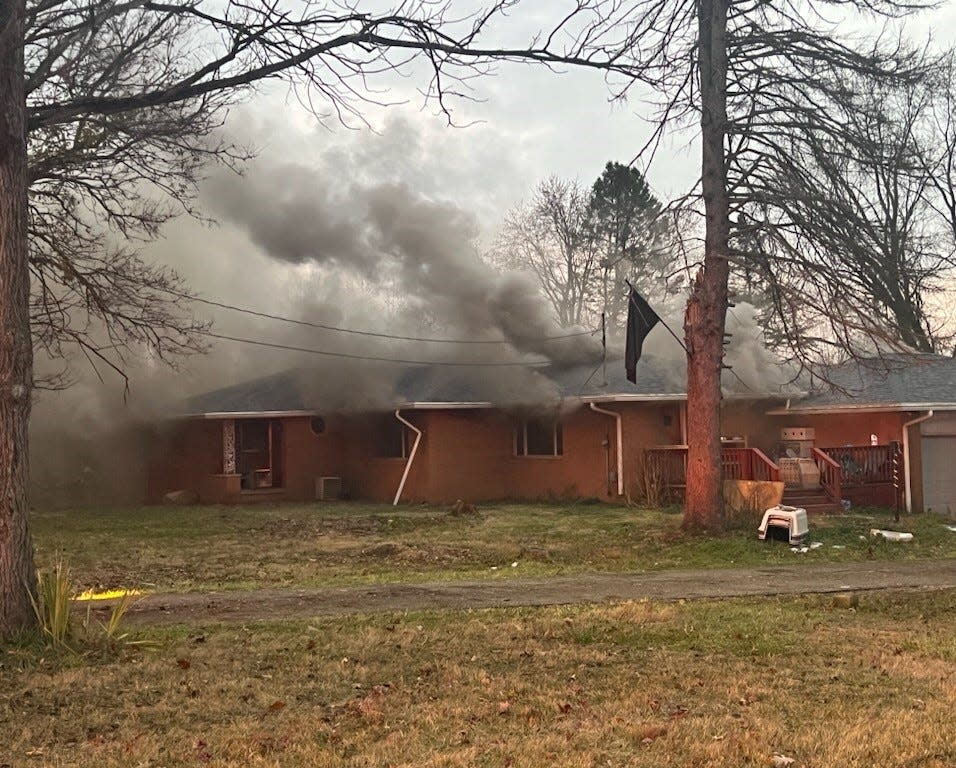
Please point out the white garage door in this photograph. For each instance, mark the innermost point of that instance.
(939, 479)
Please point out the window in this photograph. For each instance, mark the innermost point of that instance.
(539, 438)
(391, 439)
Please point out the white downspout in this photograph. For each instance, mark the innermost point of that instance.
(906, 458)
(411, 456)
(620, 445)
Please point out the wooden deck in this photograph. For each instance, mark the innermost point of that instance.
(865, 475)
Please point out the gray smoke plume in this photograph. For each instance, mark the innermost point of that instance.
(418, 250)
(754, 370)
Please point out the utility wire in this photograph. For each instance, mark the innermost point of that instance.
(350, 356)
(339, 329)
(743, 383)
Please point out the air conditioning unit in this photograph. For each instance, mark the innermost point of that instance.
(328, 488)
(798, 433)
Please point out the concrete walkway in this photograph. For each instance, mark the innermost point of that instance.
(585, 588)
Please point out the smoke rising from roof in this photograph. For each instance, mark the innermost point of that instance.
(401, 243)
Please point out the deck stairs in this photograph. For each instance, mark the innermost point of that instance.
(814, 500)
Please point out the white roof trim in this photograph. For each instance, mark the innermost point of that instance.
(583, 399)
(424, 406)
(251, 414)
(677, 397)
(864, 408)
(628, 398)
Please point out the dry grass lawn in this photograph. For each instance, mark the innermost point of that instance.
(202, 548)
(637, 684)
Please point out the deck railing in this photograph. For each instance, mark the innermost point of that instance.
(864, 464)
(666, 466)
(866, 474)
(669, 465)
(830, 475)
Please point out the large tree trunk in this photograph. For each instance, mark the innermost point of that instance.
(17, 577)
(705, 319)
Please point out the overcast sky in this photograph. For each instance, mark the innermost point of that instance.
(530, 123)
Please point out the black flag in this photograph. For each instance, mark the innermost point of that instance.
(641, 320)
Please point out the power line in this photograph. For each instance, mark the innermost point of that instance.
(743, 383)
(374, 334)
(350, 356)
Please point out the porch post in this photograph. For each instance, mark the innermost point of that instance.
(229, 446)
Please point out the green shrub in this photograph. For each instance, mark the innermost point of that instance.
(57, 620)
(53, 603)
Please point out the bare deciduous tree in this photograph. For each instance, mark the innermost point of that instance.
(17, 578)
(939, 147)
(583, 243)
(550, 235)
(858, 254)
(761, 83)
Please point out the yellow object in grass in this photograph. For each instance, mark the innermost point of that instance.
(110, 594)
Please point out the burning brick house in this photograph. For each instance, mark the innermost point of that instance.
(569, 434)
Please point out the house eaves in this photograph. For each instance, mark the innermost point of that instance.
(251, 414)
(436, 406)
(862, 408)
(632, 398)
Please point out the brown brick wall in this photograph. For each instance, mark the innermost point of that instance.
(306, 455)
(469, 454)
(463, 454)
(182, 456)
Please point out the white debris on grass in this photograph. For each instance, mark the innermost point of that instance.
(891, 535)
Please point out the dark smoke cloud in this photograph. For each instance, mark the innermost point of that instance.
(418, 249)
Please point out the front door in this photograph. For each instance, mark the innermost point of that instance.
(258, 453)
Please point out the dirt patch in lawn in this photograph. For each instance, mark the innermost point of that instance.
(247, 606)
(439, 554)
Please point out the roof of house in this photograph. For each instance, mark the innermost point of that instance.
(279, 393)
(433, 386)
(891, 382)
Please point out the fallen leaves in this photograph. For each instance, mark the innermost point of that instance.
(369, 707)
(649, 733)
(203, 755)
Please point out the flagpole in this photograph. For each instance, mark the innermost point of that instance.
(663, 321)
